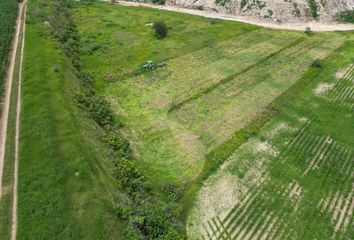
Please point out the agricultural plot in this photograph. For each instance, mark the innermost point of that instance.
(174, 116)
(294, 180)
(8, 15)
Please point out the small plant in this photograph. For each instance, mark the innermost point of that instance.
(243, 4)
(308, 31)
(346, 16)
(160, 2)
(314, 8)
(316, 64)
(200, 7)
(161, 29)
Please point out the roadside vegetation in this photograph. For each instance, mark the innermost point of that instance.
(8, 15)
(65, 185)
(8, 168)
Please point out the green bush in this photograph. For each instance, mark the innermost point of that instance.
(308, 31)
(346, 16)
(126, 173)
(314, 8)
(160, 2)
(243, 4)
(316, 64)
(161, 29)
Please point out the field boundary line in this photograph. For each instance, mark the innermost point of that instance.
(233, 76)
(17, 129)
(8, 92)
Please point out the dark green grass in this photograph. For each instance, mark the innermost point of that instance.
(65, 182)
(8, 15)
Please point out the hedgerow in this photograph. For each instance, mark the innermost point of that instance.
(146, 215)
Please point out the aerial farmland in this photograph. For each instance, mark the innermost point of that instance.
(136, 121)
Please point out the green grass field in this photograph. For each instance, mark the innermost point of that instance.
(294, 180)
(65, 185)
(291, 178)
(210, 89)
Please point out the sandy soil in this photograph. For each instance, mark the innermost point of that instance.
(300, 26)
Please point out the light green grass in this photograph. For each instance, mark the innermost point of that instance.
(126, 40)
(217, 115)
(265, 167)
(219, 76)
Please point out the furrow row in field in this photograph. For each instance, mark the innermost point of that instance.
(254, 219)
(225, 79)
(340, 206)
(218, 114)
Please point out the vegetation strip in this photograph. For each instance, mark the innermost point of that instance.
(232, 77)
(17, 125)
(8, 15)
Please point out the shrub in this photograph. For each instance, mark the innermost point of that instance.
(308, 31)
(316, 64)
(200, 7)
(161, 29)
(160, 2)
(126, 173)
(346, 16)
(243, 4)
(314, 8)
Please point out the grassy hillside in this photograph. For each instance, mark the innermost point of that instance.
(65, 177)
(293, 180)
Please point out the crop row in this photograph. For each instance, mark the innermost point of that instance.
(315, 156)
(8, 15)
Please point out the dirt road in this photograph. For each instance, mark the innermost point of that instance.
(20, 32)
(300, 26)
(8, 87)
(17, 130)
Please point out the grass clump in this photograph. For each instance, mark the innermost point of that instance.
(316, 64)
(308, 31)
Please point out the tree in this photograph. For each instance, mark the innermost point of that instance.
(161, 29)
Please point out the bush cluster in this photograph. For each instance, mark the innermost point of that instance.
(146, 216)
(346, 16)
(161, 29)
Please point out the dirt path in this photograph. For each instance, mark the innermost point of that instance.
(17, 130)
(20, 28)
(315, 26)
(8, 87)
